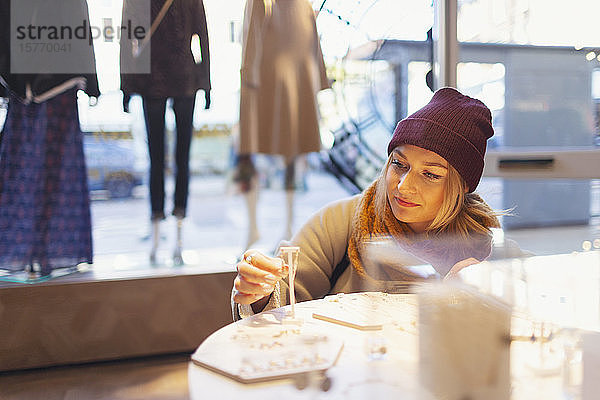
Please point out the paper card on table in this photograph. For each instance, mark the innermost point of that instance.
(268, 353)
(350, 322)
(369, 311)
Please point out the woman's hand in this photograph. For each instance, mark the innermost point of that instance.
(453, 273)
(257, 275)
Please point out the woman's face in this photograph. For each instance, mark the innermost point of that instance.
(416, 185)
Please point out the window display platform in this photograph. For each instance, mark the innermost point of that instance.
(108, 314)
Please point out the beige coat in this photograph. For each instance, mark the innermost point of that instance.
(282, 71)
(323, 242)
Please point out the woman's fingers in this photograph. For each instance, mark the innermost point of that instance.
(242, 298)
(243, 286)
(247, 292)
(257, 276)
(275, 266)
(253, 274)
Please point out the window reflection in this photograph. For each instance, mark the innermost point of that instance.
(486, 82)
(532, 22)
(538, 73)
(543, 100)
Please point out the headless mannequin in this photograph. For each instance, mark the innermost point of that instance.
(45, 221)
(281, 73)
(176, 73)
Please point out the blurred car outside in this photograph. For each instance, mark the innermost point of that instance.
(112, 165)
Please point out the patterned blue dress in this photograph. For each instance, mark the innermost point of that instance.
(44, 198)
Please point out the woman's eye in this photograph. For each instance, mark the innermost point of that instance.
(399, 164)
(432, 176)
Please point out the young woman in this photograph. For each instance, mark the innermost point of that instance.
(423, 199)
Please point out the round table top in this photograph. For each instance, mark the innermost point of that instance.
(366, 349)
(341, 347)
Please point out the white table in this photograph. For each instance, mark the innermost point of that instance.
(354, 374)
(358, 374)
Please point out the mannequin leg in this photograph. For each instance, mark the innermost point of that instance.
(289, 202)
(251, 204)
(177, 259)
(155, 240)
(245, 177)
(290, 188)
(184, 116)
(154, 114)
(183, 108)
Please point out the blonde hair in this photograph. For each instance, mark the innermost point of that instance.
(460, 214)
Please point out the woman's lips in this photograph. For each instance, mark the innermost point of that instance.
(405, 203)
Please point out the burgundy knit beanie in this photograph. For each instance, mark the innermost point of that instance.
(453, 126)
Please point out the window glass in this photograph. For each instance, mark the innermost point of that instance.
(485, 82)
(529, 22)
(115, 143)
(378, 56)
(534, 64)
(547, 50)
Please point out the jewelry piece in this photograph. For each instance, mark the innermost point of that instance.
(248, 259)
(292, 253)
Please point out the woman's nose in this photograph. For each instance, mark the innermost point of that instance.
(407, 182)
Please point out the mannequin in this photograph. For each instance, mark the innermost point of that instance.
(45, 221)
(174, 76)
(282, 71)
